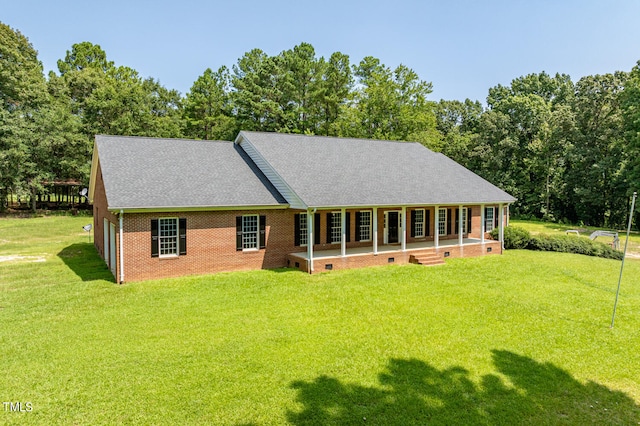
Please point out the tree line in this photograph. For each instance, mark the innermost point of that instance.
(566, 150)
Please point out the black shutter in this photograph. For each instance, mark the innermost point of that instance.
(347, 229)
(154, 238)
(427, 222)
(358, 226)
(413, 223)
(296, 229)
(496, 219)
(457, 228)
(448, 221)
(263, 231)
(316, 228)
(183, 235)
(329, 217)
(469, 220)
(238, 232)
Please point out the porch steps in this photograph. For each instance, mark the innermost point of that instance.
(427, 259)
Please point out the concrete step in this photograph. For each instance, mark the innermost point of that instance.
(427, 259)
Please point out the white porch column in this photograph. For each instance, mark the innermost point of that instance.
(482, 228)
(404, 228)
(343, 224)
(460, 226)
(436, 226)
(501, 206)
(508, 215)
(375, 230)
(310, 232)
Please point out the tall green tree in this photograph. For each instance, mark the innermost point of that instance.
(389, 104)
(258, 93)
(22, 95)
(598, 154)
(630, 103)
(207, 107)
(458, 123)
(517, 132)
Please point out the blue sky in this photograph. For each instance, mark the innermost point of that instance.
(462, 47)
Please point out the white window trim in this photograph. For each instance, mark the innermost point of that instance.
(304, 232)
(366, 227)
(488, 219)
(442, 219)
(339, 241)
(422, 222)
(177, 237)
(257, 233)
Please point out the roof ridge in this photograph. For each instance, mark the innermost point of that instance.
(161, 138)
(340, 138)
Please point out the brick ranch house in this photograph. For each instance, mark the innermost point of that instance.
(173, 207)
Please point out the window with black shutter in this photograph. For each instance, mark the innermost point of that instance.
(457, 225)
(296, 229)
(347, 229)
(183, 236)
(263, 231)
(469, 220)
(316, 228)
(154, 238)
(238, 233)
(427, 222)
(250, 232)
(448, 221)
(168, 237)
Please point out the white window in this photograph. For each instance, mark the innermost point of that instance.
(418, 226)
(488, 219)
(442, 222)
(168, 236)
(336, 227)
(365, 225)
(250, 232)
(303, 229)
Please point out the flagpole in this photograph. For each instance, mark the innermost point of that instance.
(633, 203)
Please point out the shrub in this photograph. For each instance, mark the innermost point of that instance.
(514, 237)
(572, 244)
(519, 238)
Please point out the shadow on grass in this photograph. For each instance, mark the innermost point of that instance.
(413, 392)
(84, 261)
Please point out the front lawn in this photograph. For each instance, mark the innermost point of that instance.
(521, 338)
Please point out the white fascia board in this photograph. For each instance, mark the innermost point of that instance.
(177, 209)
(272, 175)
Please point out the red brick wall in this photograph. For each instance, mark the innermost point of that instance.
(211, 241)
(211, 244)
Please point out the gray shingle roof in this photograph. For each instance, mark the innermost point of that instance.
(141, 173)
(331, 172)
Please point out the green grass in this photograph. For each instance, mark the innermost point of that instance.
(521, 338)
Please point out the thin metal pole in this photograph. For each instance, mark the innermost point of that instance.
(633, 203)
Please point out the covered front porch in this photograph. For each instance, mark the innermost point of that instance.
(383, 235)
(358, 257)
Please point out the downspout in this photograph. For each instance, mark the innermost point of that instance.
(121, 249)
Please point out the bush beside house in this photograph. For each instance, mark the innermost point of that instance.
(519, 238)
